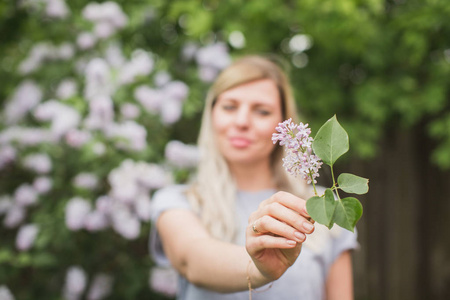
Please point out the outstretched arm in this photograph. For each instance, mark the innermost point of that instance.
(221, 266)
(340, 278)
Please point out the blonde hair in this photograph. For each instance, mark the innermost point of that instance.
(213, 193)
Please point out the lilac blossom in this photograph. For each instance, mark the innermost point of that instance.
(107, 17)
(76, 211)
(26, 236)
(57, 9)
(211, 59)
(125, 223)
(114, 55)
(177, 90)
(100, 287)
(101, 113)
(95, 221)
(164, 280)
(98, 80)
(182, 155)
(39, 163)
(5, 204)
(77, 138)
(14, 216)
(86, 180)
(86, 40)
(299, 159)
(75, 283)
(24, 99)
(129, 134)
(42, 184)
(25, 195)
(141, 64)
(142, 207)
(66, 89)
(171, 111)
(150, 99)
(5, 293)
(26, 136)
(129, 111)
(63, 117)
(161, 78)
(7, 155)
(98, 148)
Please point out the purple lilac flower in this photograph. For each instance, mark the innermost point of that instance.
(299, 159)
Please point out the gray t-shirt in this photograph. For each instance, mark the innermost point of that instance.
(304, 280)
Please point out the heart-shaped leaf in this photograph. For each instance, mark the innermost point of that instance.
(331, 141)
(348, 212)
(321, 209)
(350, 183)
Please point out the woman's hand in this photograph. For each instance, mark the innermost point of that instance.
(276, 232)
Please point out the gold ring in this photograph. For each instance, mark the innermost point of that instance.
(254, 228)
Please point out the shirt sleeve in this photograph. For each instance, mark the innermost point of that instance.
(165, 199)
(345, 240)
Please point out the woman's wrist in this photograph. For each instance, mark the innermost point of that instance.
(255, 278)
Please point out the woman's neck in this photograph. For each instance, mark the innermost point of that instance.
(253, 178)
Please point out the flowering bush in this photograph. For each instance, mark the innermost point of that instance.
(85, 139)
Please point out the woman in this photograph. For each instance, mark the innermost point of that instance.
(243, 223)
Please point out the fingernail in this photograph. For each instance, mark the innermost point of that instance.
(300, 236)
(291, 242)
(308, 226)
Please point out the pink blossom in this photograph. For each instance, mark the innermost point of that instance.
(25, 195)
(149, 98)
(7, 155)
(39, 163)
(75, 283)
(66, 89)
(76, 211)
(86, 40)
(130, 135)
(129, 111)
(101, 287)
(5, 293)
(96, 221)
(77, 138)
(5, 204)
(161, 78)
(63, 117)
(176, 90)
(98, 81)
(42, 184)
(57, 9)
(299, 159)
(125, 224)
(182, 155)
(171, 111)
(86, 180)
(142, 207)
(26, 236)
(164, 280)
(15, 215)
(104, 204)
(141, 64)
(24, 99)
(26, 136)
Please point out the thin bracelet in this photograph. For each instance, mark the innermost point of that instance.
(249, 283)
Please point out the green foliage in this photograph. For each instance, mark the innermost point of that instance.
(331, 142)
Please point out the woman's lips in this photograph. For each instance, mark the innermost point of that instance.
(239, 142)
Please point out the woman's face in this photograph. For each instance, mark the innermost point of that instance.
(244, 119)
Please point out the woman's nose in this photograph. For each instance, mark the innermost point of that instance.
(242, 117)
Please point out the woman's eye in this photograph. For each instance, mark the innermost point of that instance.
(263, 112)
(229, 107)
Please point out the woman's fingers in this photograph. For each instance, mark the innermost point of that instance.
(268, 224)
(286, 209)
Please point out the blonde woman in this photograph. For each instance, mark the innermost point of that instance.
(242, 224)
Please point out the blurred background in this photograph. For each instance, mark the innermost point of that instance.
(101, 103)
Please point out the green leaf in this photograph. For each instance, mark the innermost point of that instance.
(350, 183)
(348, 212)
(321, 209)
(331, 141)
